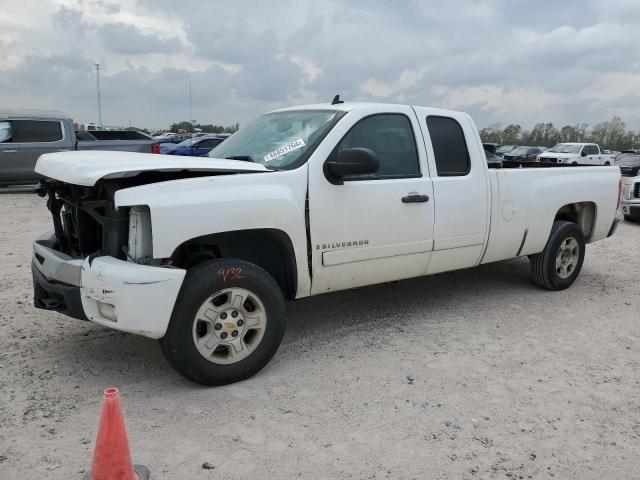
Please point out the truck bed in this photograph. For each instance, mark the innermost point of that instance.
(524, 202)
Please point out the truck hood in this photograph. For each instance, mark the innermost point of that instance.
(87, 167)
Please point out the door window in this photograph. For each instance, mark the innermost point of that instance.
(33, 131)
(391, 137)
(449, 146)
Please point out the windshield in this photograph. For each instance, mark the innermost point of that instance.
(277, 140)
(629, 160)
(565, 148)
(518, 151)
(505, 148)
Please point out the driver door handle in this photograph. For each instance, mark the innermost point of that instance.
(415, 198)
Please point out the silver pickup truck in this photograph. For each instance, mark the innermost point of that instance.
(27, 134)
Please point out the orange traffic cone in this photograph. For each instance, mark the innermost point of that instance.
(112, 459)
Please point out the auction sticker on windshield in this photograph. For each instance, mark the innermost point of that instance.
(280, 151)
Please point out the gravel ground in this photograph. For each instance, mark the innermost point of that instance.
(471, 374)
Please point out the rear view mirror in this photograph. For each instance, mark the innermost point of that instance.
(351, 161)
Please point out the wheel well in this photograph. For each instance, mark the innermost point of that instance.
(268, 248)
(581, 213)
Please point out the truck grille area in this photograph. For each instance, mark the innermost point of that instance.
(636, 190)
(85, 220)
(548, 160)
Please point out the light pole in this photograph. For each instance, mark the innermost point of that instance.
(190, 112)
(98, 89)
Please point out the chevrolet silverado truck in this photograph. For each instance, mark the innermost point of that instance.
(576, 154)
(27, 134)
(203, 253)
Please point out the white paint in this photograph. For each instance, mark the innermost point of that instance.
(189, 208)
(142, 297)
(360, 232)
(368, 210)
(87, 167)
(508, 210)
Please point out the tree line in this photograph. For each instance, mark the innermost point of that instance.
(610, 135)
(207, 128)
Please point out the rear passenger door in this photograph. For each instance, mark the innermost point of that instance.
(460, 188)
(24, 140)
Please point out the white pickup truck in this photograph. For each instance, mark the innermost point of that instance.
(576, 154)
(202, 253)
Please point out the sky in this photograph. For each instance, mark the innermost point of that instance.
(502, 61)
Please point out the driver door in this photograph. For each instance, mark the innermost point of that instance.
(378, 227)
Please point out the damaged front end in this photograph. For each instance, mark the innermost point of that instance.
(97, 264)
(85, 220)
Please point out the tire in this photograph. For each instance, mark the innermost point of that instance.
(607, 164)
(212, 291)
(544, 271)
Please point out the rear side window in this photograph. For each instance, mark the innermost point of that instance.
(391, 137)
(209, 143)
(34, 131)
(449, 146)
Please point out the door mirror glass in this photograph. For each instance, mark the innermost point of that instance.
(350, 161)
(584, 153)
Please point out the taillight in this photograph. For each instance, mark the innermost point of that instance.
(155, 148)
(619, 193)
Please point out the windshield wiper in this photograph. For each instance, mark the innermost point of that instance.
(245, 158)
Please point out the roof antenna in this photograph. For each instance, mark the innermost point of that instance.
(336, 100)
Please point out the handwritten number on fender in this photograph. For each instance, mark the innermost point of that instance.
(231, 273)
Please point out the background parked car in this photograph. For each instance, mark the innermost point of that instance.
(630, 170)
(625, 153)
(523, 154)
(501, 150)
(493, 160)
(27, 134)
(574, 153)
(629, 165)
(193, 147)
(491, 147)
(172, 138)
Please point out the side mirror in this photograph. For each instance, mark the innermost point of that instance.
(351, 161)
(583, 154)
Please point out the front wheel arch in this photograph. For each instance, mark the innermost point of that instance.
(269, 248)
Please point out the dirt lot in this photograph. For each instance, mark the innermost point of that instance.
(472, 374)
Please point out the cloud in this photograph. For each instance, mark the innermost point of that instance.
(125, 39)
(501, 60)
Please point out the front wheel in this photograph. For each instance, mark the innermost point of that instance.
(558, 265)
(227, 323)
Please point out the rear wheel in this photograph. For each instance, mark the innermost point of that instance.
(228, 322)
(558, 265)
